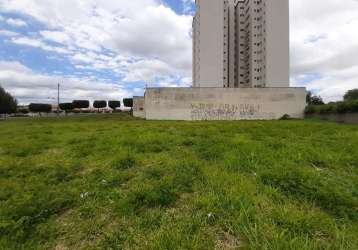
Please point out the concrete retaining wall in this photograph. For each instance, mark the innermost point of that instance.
(138, 107)
(224, 103)
(349, 118)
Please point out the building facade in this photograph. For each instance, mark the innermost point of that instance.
(241, 43)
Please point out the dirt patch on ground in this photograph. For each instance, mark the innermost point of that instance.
(61, 247)
(228, 241)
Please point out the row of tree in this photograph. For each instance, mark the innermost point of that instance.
(9, 105)
(84, 104)
(350, 95)
(349, 105)
(80, 104)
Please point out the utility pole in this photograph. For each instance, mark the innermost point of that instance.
(58, 99)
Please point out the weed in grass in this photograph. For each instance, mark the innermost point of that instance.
(161, 194)
(113, 182)
(124, 163)
(321, 190)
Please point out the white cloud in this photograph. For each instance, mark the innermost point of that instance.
(148, 70)
(143, 40)
(55, 36)
(39, 44)
(8, 33)
(29, 86)
(324, 43)
(16, 22)
(142, 30)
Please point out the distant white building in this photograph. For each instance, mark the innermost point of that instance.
(241, 43)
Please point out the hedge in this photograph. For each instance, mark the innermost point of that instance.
(114, 104)
(333, 108)
(99, 104)
(81, 104)
(40, 108)
(66, 106)
(128, 102)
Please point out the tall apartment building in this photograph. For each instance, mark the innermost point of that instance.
(241, 43)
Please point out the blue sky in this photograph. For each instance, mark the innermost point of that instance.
(104, 49)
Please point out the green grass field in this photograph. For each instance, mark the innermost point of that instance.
(112, 182)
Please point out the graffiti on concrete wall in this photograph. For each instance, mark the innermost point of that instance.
(202, 111)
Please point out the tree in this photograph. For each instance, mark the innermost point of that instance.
(128, 102)
(99, 104)
(317, 100)
(80, 104)
(40, 108)
(310, 109)
(351, 95)
(67, 107)
(114, 104)
(8, 104)
(314, 100)
(308, 97)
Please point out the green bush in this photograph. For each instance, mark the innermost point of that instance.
(351, 95)
(81, 104)
(114, 104)
(285, 117)
(99, 104)
(128, 102)
(342, 107)
(40, 108)
(311, 109)
(66, 106)
(354, 106)
(327, 109)
(333, 108)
